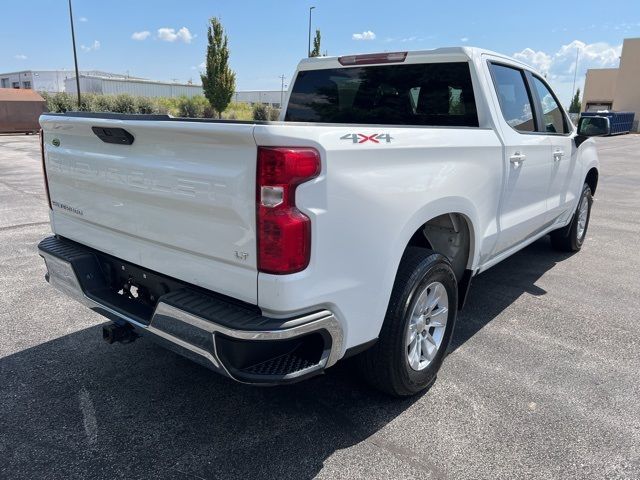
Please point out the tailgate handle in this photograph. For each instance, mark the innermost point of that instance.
(113, 135)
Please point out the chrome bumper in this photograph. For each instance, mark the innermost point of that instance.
(176, 328)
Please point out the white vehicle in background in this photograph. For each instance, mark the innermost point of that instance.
(268, 251)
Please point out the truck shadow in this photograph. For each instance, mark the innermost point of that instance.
(497, 288)
(76, 407)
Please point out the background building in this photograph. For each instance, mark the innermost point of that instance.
(50, 81)
(114, 85)
(268, 97)
(616, 89)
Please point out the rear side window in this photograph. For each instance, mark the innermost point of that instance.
(515, 101)
(430, 94)
(554, 119)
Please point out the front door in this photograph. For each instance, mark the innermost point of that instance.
(562, 195)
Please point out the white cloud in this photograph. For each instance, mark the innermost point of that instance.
(595, 55)
(170, 35)
(143, 35)
(539, 60)
(559, 66)
(464, 39)
(83, 19)
(562, 62)
(94, 46)
(20, 56)
(366, 35)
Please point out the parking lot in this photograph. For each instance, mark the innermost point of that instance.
(542, 380)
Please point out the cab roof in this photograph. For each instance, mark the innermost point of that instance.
(458, 53)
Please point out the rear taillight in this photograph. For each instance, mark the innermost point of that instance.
(283, 231)
(44, 169)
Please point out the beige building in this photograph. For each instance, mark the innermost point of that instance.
(616, 89)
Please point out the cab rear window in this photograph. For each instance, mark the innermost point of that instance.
(429, 94)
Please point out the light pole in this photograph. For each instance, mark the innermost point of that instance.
(575, 74)
(75, 55)
(309, 42)
(282, 77)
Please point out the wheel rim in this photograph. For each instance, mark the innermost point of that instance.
(583, 214)
(427, 325)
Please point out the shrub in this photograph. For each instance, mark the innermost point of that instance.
(238, 111)
(124, 103)
(260, 112)
(144, 105)
(203, 106)
(104, 103)
(60, 103)
(87, 102)
(190, 107)
(46, 96)
(166, 106)
(274, 114)
(194, 107)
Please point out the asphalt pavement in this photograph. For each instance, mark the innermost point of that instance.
(543, 378)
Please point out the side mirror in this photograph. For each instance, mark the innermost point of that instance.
(593, 126)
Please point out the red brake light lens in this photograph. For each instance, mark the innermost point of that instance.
(283, 231)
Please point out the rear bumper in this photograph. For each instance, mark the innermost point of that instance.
(231, 338)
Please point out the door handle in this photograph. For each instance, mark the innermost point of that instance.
(517, 158)
(557, 155)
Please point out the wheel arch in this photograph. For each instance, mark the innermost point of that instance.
(592, 179)
(453, 213)
(449, 234)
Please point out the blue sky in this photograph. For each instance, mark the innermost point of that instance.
(267, 38)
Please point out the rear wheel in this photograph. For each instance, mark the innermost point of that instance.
(417, 328)
(571, 237)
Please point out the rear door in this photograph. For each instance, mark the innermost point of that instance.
(180, 199)
(527, 158)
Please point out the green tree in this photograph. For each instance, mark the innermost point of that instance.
(316, 45)
(575, 103)
(219, 81)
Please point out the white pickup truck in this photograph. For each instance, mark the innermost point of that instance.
(268, 251)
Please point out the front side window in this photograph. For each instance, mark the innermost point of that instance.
(554, 120)
(514, 98)
(428, 94)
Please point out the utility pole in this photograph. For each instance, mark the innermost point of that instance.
(309, 42)
(75, 55)
(282, 77)
(575, 73)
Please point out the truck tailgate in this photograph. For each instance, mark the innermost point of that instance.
(179, 200)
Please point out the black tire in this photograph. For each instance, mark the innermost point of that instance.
(385, 365)
(567, 239)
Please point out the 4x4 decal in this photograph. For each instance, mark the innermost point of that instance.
(362, 138)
